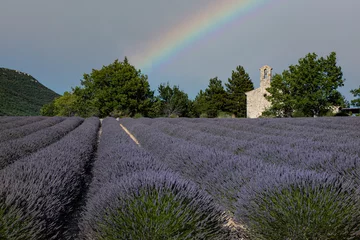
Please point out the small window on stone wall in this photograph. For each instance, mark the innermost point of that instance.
(265, 73)
(265, 95)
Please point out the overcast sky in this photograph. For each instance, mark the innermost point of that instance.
(58, 41)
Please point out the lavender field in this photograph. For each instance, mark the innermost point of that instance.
(74, 178)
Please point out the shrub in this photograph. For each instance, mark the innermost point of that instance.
(13, 225)
(173, 115)
(138, 115)
(155, 205)
(224, 115)
(227, 179)
(299, 205)
(204, 115)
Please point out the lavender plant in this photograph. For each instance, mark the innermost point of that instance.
(283, 204)
(226, 180)
(13, 225)
(154, 205)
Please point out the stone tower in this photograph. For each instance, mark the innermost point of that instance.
(265, 76)
(256, 102)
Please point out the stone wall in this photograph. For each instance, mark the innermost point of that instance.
(256, 101)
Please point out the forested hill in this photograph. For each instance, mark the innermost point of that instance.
(21, 94)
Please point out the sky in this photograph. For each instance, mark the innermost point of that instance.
(58, 41)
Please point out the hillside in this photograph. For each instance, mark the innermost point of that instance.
(21, 94)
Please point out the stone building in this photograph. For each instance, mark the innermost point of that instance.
(256, 102)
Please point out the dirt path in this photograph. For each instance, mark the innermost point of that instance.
(130, 135)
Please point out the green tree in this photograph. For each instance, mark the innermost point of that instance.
(118, 87)
(237, 86)
(212, 101)
(66, 105)
(281, 97)
(309, 88)
(356, 93)
(173, 101)
(216, 97)
(48, 109)
(200, 105)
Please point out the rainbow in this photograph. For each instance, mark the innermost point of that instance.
(211, 18)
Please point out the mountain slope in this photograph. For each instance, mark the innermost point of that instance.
(21, 94)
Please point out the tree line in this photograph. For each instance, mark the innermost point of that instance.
(308, 88)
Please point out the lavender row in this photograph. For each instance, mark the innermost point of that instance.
(321, 155)
(41, 190)
(339, 159)
(11, 151)
(6, 119)
(219, 173)
(205, 128)
(20, 122)
(262, 196)
(118, 152)
(134, 196)
(329, 153)
(325, 122)
(13, 133)
(282, 126)
(287, 204)
(327, 156)
(281, 131)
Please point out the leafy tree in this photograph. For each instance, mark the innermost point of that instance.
(66, 105)
(216, 96)
(356, 93)
(173, 101)
(212, 101)
(280, 96)
(85, 106)
(48, 109)
(200, 104)
(117, 87)
(237, 86)
(310, 87)
(114, 89)
(156, 108)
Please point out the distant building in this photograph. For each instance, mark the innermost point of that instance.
(256, 101)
